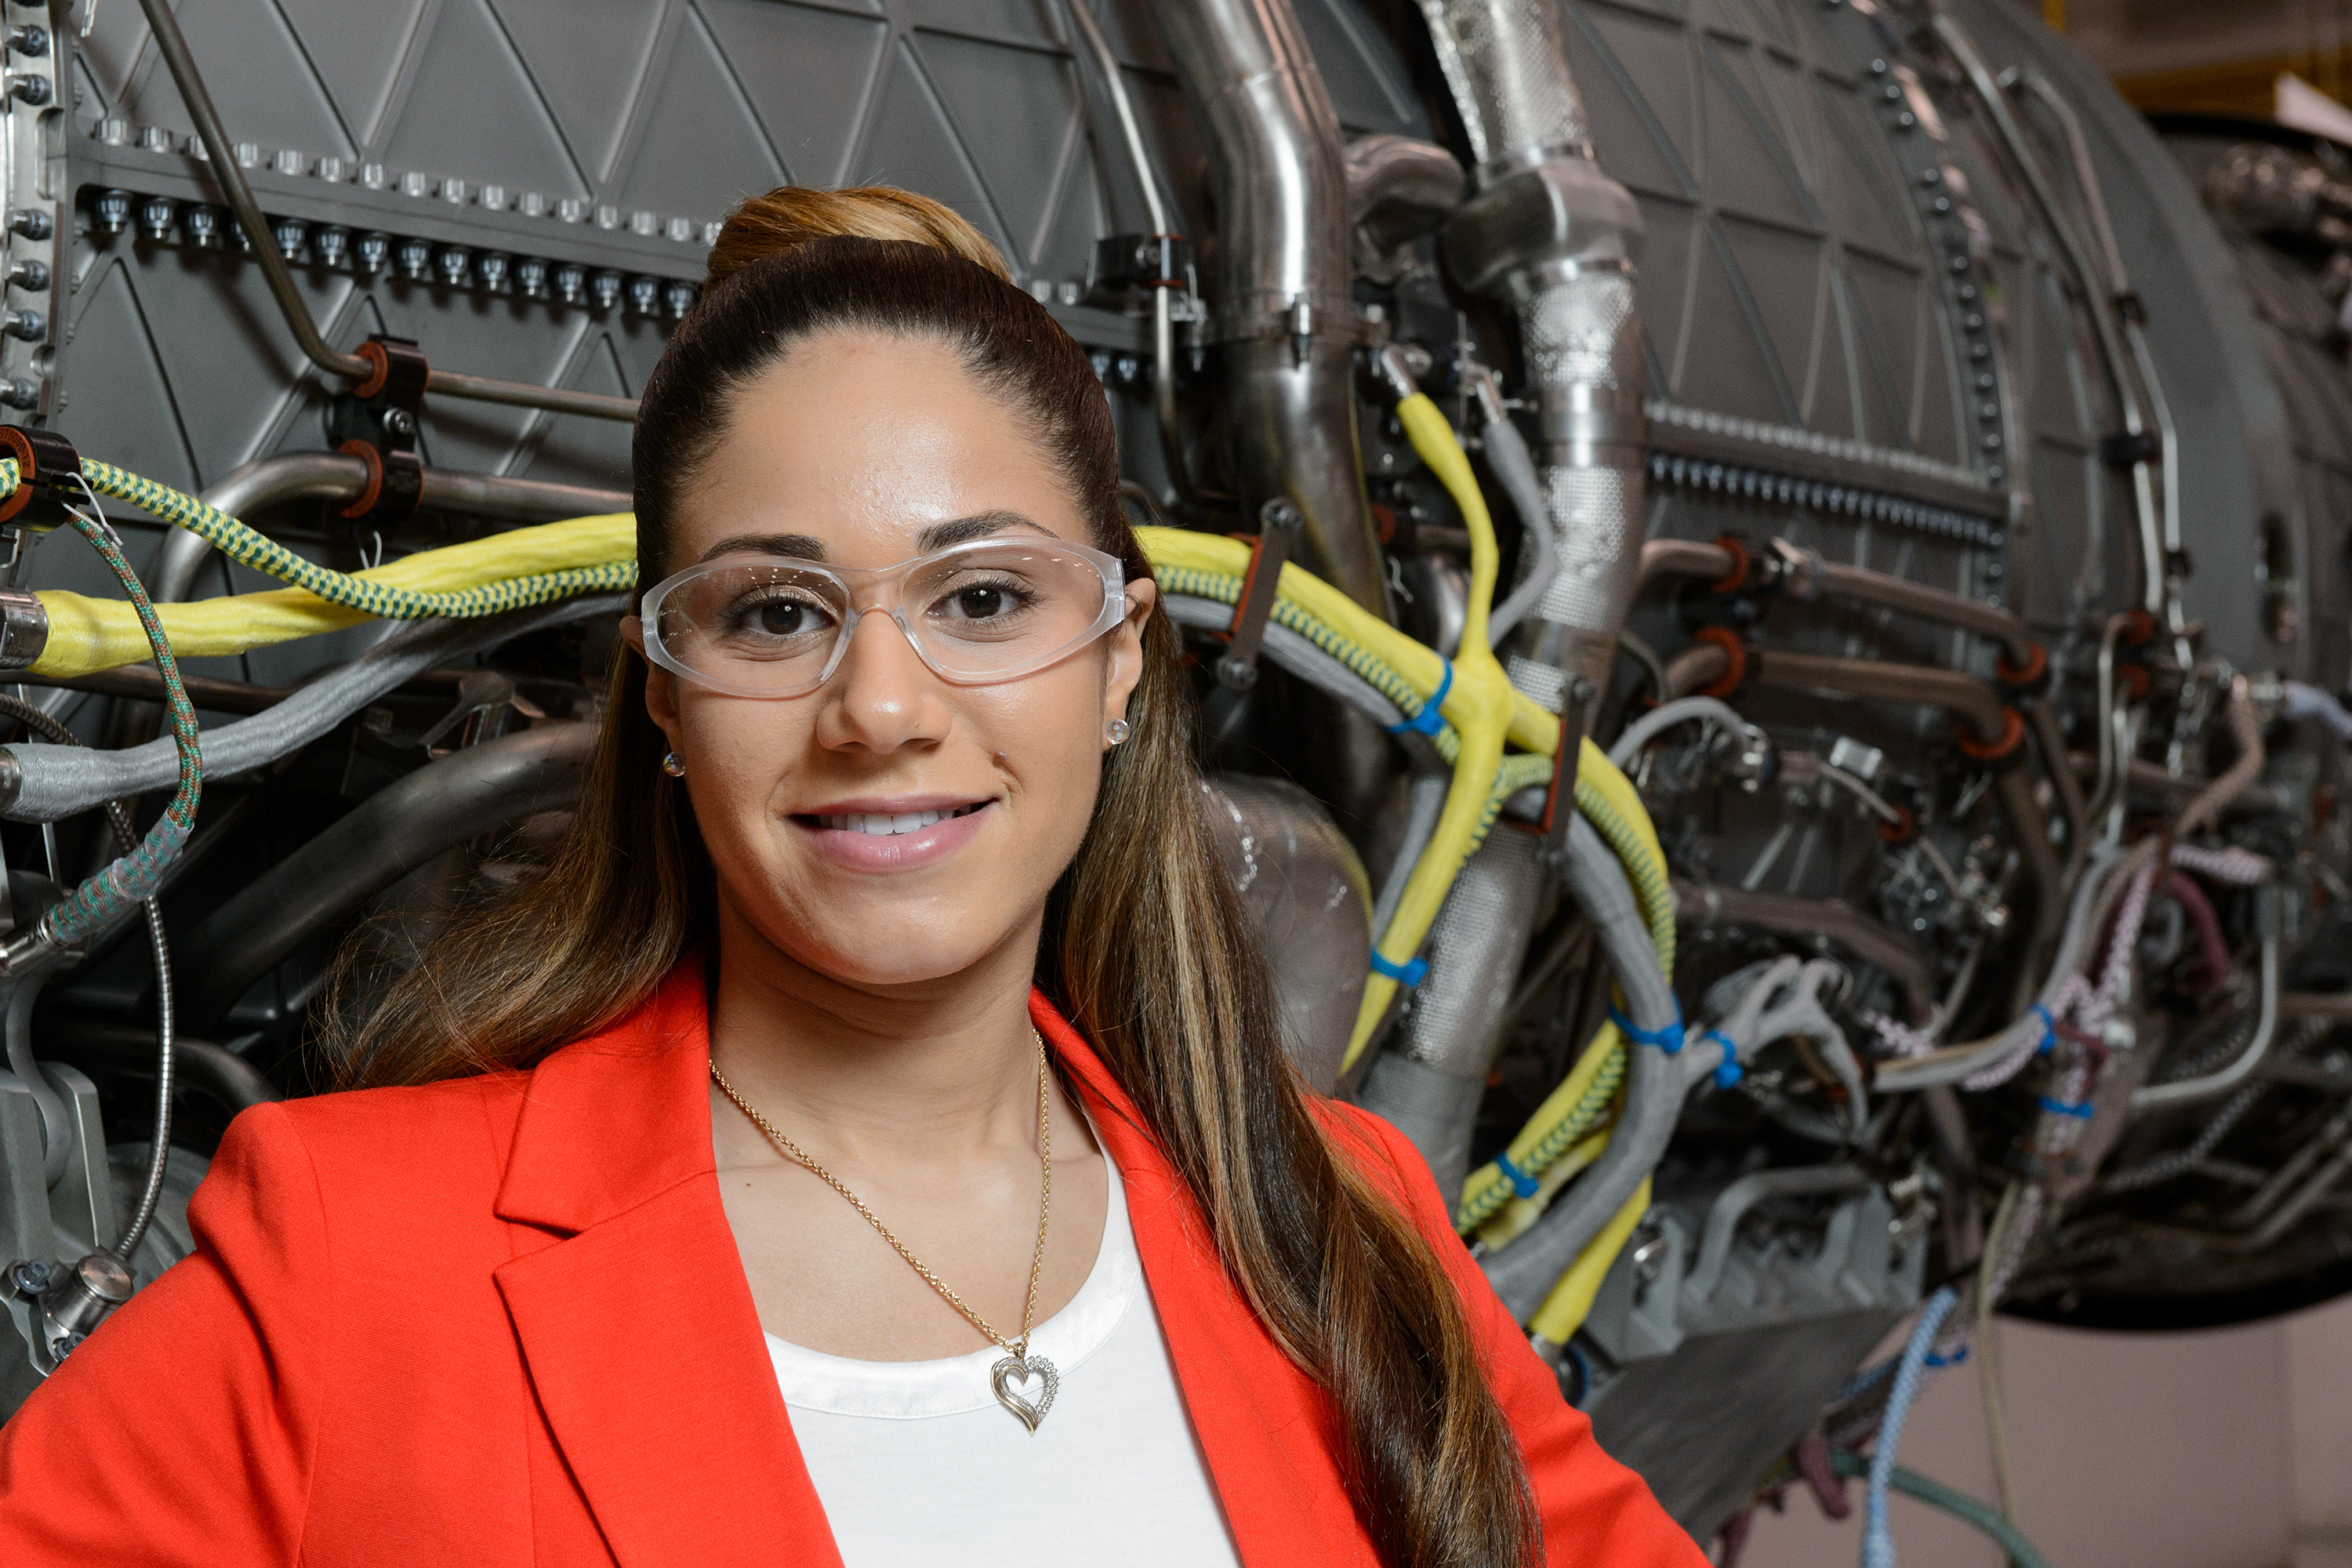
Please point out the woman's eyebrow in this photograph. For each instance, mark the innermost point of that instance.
(807, 547)
(940, 535)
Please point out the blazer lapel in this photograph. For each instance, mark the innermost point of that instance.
(1267, 1429)
(635, 1321)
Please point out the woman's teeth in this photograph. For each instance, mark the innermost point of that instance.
(885, 827)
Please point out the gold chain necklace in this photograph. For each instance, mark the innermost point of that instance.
(1018, 1365)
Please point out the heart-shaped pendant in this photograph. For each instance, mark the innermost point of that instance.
(1030, 1411)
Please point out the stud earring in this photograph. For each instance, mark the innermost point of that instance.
(1114, 732)
(673, 767)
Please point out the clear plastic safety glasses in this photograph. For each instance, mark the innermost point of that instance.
(989, 610)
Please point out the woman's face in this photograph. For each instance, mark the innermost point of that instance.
(858, 445)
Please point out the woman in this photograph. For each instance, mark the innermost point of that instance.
(872, 1134)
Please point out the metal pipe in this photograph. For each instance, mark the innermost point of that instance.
(2334, 1006)
(209, 1068)
(1706, 903)
(173, 45)
(2153, 595)
(387, 836)
(2188, 1092)
(1399, 188)
(1284, 325)
(1163, 312)
(1956, 692)
(336, 476)
(1699, 664)
(1731, 1205)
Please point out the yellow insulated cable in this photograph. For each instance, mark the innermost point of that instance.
(88, 634)
(1510, 1222)
(1571, 1302)
(1479, 704)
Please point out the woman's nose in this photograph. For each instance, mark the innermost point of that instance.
(882, 695)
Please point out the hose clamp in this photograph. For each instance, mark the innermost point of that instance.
(48, 475)
(377, 422)
(24, 627)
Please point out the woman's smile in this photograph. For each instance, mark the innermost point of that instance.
(885, 835)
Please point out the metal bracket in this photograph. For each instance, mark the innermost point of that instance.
(1552, 827)
(377, 424)
(1279, 522)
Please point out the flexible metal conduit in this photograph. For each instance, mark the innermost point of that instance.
(379, 841)
(2189, 1091)
(173, 45)
(337, 475)
(1284, 324)
(48, 783)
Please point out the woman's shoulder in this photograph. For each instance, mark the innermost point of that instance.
(407, 1158)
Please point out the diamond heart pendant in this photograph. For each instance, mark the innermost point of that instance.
(1037, 1367)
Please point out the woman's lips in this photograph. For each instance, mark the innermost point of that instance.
(864, 841)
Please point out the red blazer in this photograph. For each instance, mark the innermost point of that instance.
(501, 1319)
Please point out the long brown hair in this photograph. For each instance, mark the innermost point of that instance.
(1147, 949)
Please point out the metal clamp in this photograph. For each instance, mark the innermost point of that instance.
(49, 476)
(1552, 825)
(1279, 522)
(377, 422)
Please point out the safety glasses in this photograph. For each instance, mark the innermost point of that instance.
(985, 611)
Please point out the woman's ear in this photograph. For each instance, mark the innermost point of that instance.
(661, 687)
(1125, 667)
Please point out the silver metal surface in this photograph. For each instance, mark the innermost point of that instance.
(1283, 321)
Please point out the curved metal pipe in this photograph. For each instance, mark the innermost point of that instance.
(1399, 188)
(1706, 903)
(1731, 1205)
(173, 45)
(1284, 323)
(335, 476)
(211, 1069)
(2190, 1090)
(380, 840)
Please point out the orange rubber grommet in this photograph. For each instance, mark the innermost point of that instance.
(1733, 580)
(2000, 753)
(2035, 675)
(1734, 673)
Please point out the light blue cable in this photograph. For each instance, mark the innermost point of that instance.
(1877, 1540)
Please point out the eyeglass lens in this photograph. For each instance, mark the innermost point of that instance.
(985, 612)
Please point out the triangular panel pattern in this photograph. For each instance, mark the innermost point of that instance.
(1786, 283)
(1743, 175)
(1857, 191)
(1669, 264)
(1650, 139)
(700, 149)
(812, 116)
(1360, 69)
(1743, 376)
(1016, 113)
(583, 451)
(255, 68)
(357, 51)
(127, 408)
(468, 63)
(1886, 310)
(589, 59)
(911, 142)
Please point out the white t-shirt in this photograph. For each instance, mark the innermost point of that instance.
(917, 1465)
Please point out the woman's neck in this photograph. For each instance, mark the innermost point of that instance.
(922, 1072)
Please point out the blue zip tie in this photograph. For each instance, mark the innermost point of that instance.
(1667, 1038)
(1412, 972)
(2080, 1110)
(1521, 1182)
(1954, 1358)
(1727, 1071)
(1429, 721)
(2049, 1030)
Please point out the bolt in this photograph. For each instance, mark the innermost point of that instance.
(678, 299)
(114, 132)
(608, 217)
(455, 259)
(571, 283)
(415, 258)
(373, 176)
(681, 229)
(112, 210)
(416, 183)
(531, 277)
(289, 233)
(29, 325)
(203, 226)
(28, 1278)
(399, 422)
(20, 393)
(492, 198)
(29, 274)
(454, 192)
(572, 209)
(249, 154)
(492, 269)
(375, 251)
(645, 223)
(333, 245)
(335, 171)
(29, 40)
(155, 139)
(157, 214)
(607, 287)
(31, 222)
(33, 90)
(645, 296)
(290, 162)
